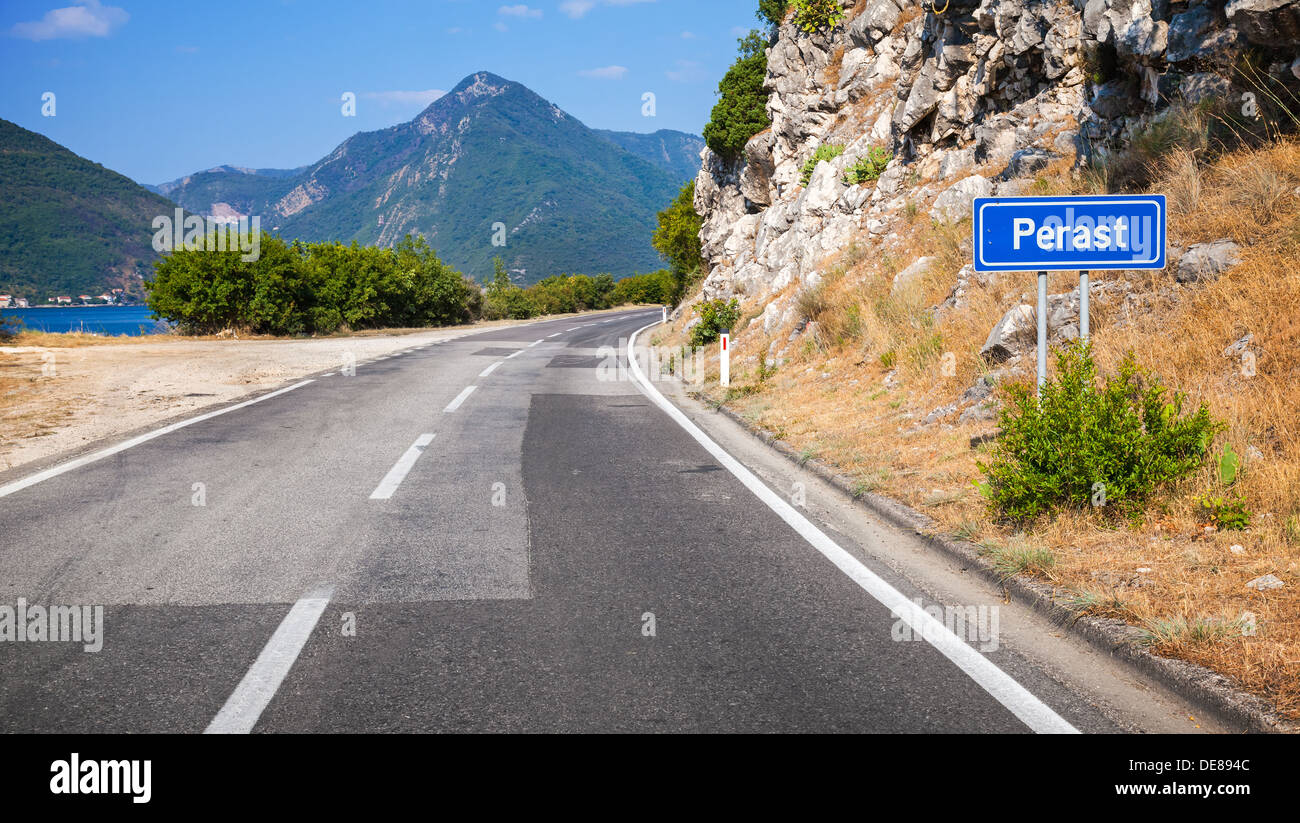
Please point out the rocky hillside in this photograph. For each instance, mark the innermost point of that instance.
(970, 102)
(865, 340)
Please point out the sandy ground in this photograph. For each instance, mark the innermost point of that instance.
(56, 399)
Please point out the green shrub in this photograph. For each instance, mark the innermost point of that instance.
(741, 110)
(504, 300)
(868, 169)
(1112, 442)
(570, 293)
(310, 288)
(814, 15)
(656, 287)
(826, 151)
(715, 315)
(1225, 514)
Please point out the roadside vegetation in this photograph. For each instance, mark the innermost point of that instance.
(571, 293)
(1108, 442)
(677, 239)
(299, 288)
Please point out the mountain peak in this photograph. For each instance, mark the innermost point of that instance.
(482, 84)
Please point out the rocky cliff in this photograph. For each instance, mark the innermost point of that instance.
(972, 99)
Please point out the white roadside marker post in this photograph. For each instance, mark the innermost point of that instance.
(1083, 305)
(1042, 331)
(665, 314)
(726, 358)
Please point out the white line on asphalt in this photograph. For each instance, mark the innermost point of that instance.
(538, 343)
(516, 354)
(1033, 712)
(557, 334)
(575, 328)
(460, 398)
(19, 485)
(398, 472)
(254, 692)
(489, 369)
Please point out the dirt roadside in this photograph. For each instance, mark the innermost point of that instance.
(70, 391)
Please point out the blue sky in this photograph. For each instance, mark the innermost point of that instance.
(157, 89)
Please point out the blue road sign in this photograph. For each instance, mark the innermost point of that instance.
(1115, 231)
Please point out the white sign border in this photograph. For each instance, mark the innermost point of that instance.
(1071, 265)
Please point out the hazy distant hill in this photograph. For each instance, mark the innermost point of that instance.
(673, 151)
(490, 151)
(227, 190)
(69, 226)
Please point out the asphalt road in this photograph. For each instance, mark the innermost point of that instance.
(384, 552)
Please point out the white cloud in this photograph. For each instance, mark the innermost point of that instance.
(520, 10)
(579, 8)
(687, 71)
(688, 35)
(85, 19)
(404, 98)
(605, 73)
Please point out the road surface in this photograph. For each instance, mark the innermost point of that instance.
(480, 535)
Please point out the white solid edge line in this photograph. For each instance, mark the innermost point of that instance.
(253, 694)
(460, 398)
(401, 468)
(55, 471)
(489, 369)
(1031, 711)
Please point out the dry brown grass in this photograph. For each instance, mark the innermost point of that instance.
(1191, 596)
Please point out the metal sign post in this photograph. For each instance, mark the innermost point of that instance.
(1084, 294)
(1083, 234)
(1042, 330)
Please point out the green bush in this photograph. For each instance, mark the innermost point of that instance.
(310, 288)
(504, 300)
(741, 110)
(814, 15)
(1112, 442)
(715, 315)
(1226, 514)
(826, 151)
(653, 288)
(571, 293)
(868, 169)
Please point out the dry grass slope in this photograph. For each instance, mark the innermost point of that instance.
(856, 389)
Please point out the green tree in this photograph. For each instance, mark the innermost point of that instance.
(741, 110)
(772, 11)
(677, 239)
